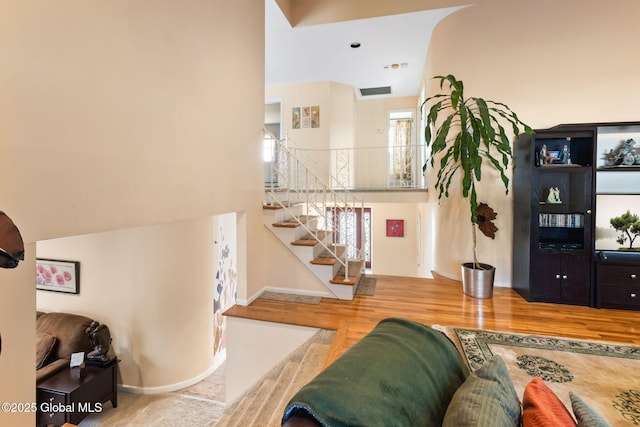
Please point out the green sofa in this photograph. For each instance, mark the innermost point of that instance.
(407, 374)
(401, 374)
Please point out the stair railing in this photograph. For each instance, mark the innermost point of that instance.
(293, 183)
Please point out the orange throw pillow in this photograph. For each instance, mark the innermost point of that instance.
(541, 407)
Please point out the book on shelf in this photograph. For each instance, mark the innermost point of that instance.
(572, 220)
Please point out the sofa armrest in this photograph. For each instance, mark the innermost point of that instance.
(51, 369)
(402, 373)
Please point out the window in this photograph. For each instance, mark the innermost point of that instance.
(403, 155)
(354, 231)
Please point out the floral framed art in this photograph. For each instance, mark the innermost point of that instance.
(395, 228)
(58, 276)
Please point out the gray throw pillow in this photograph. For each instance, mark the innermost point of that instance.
(487, 398)
(585, 415)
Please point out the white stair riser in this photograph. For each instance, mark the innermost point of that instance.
(305, 254)
(286, 214)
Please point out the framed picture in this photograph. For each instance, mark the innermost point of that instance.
(58, 276)
(315, 116)
(395, 228)
(295, 118)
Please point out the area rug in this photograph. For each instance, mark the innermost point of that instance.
(279, 296)
(605, 375)
(152, 410)
(367, 286)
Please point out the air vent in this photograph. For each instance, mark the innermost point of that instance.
(370, 91)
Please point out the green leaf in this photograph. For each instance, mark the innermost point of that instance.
(472, 132)
(487, 127)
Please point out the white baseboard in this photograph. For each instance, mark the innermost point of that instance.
(173, 387)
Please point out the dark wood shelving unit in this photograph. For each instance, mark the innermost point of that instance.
(553, 241)
(555, 258)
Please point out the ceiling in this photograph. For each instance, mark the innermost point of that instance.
(392, 51)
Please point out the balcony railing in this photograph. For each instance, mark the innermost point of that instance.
(368, 168)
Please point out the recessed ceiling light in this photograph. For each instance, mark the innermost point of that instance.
(355, 45)
(395, 66)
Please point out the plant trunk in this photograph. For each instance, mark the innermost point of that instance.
(476, 264)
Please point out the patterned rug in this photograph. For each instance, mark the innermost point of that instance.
(605, 375)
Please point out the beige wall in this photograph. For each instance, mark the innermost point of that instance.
(372, 131)
(153, 286)
(284, 272)
(552, 62)
(342, 115)
(396, 256)
(17, 332)
(301, 95)
(118, 114)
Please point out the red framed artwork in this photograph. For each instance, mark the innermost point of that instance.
(395, 228)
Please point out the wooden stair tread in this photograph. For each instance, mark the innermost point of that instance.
(309, 241)
(292, 223)
(340, 280)
(305, 242)
(286, 224)
(324, 260)
(276, 206)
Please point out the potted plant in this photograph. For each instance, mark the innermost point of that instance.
(628, 225)
(469, 134)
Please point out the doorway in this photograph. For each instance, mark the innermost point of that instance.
(273, 125)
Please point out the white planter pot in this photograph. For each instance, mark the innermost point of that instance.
(478, 282)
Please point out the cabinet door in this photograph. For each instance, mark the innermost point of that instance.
(562, 209)
(561, 278)
(546, 286)
(576, 279)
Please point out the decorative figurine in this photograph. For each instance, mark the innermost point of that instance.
(610, 158)
(544, 157)
(554, 196)
(565, 155)
(100, 337)
(626, 155)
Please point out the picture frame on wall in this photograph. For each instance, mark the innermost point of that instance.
(58, 276)
(295, 118)
(395, 228)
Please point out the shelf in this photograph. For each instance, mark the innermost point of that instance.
(561, 168)
(621, 168)
(562, 246)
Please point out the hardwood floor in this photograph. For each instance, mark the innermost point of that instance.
(442, 302)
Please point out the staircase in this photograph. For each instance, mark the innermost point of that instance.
(325, 259)
(263, 405)
(302, 210)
